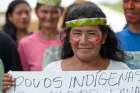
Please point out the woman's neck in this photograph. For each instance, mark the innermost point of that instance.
(49, 33)
(95, 64)
(21, 33)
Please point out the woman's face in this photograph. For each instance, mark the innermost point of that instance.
(20, 16)
(48, 16)
(86, 42)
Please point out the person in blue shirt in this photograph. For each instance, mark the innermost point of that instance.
(129, 37)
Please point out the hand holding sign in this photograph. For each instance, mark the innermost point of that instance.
(7, 81)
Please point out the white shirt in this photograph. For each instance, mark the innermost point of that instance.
(113, 65)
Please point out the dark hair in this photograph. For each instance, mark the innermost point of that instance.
(9, 27)
(87, 9)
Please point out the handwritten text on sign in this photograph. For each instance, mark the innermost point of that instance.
(113, 81)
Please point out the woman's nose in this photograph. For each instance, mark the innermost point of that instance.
(83, 39)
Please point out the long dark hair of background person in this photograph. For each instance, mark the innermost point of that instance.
(9, 27)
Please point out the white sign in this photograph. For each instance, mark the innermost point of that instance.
(109, 81)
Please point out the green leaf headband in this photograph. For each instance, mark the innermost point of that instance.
(50, 2)
(86, 22)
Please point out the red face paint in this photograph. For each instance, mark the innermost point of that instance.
(74, 40)
(95, 40)
(90, 36)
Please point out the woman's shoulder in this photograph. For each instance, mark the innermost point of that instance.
(117, 65)
(54, 66)
(5, 37)
(28, 39)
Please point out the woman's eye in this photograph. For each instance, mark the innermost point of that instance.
(54, 12)
(91, 33)
(77, 33)
(44, 11)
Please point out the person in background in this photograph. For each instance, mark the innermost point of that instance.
(89, 44)
(46, 40)
(9, 53)
(129, 37)
(17, 20)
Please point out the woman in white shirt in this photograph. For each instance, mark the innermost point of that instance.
(89, 43)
